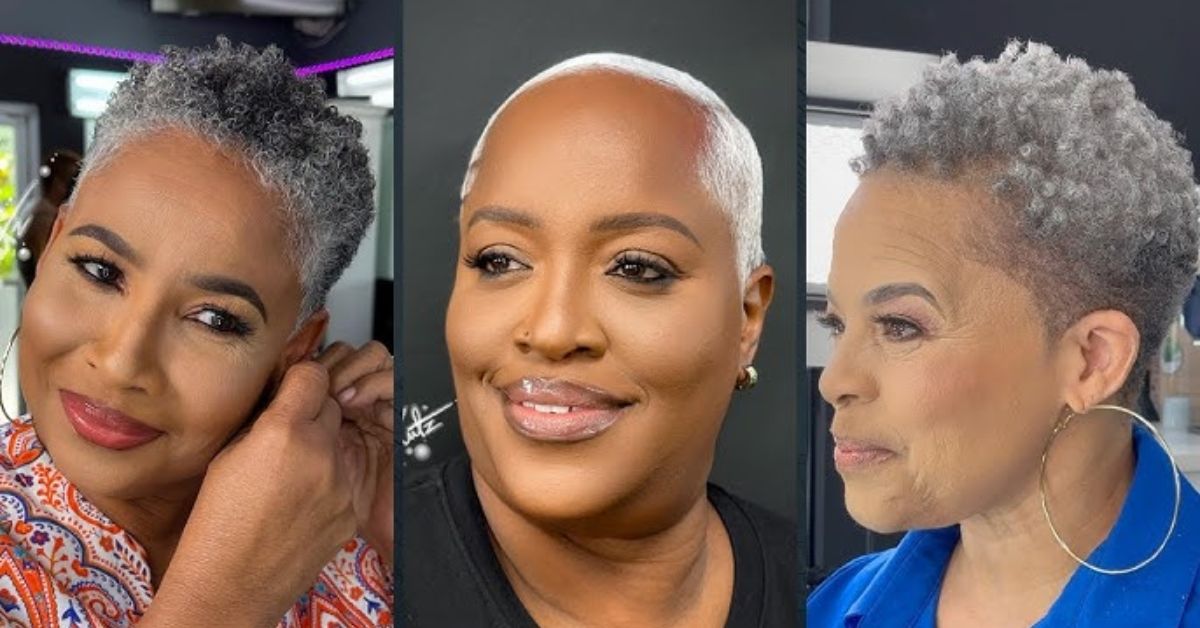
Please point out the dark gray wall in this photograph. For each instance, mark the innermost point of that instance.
(1153, 41)
(461, 61)
(129, 24)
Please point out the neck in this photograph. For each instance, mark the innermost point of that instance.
(680, 575)
(156, 522)
(1007, 563)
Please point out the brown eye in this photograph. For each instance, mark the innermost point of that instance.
(97, 270)
(642, 268)
(899, 329)
(494, 263)
(832, 323)
(222, 322)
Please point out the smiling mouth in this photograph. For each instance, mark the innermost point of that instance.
(103, 426)
(561, 411)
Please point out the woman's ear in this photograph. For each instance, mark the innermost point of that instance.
(1098, 353)
(305, 342)
(760, 288)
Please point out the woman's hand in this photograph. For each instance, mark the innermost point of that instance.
(363, 382)
(274, 508)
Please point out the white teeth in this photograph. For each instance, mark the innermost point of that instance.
(547, 409)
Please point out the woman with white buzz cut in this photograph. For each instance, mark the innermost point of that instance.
(609, 302)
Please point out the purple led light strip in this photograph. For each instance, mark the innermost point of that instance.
(67, 46)
(348, 62)
(147, 57)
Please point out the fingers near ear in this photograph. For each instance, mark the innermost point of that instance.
(301, 396)
(1100, 351)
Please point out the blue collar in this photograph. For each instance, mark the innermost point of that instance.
(903, 592)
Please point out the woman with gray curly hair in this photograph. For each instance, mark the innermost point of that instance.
(188, 458)
(1023, 232)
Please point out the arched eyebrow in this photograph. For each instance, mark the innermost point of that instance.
(641, 220)
(220, 284)
(495, 213)
(628, 221)
(110, 239)
(892, 291)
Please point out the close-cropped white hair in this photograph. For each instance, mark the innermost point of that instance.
(729, 165)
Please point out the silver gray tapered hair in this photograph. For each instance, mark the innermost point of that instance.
(729, 164)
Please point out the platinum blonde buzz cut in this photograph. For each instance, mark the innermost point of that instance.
(729, 164)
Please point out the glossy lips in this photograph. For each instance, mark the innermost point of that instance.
(103, 426)
(856, 455)
(558, 410)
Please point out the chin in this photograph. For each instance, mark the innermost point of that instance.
(878, 514)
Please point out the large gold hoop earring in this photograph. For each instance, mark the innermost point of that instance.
(12, 340)
(1062, 425)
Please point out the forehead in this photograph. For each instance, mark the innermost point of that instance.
(182, 201)
(598, 135)
(902, 227)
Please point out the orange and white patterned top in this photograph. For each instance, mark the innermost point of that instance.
(64, 563)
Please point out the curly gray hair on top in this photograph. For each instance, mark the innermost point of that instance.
(253, 103)
(1102, 210)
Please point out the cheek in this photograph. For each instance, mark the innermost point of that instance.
(966, 414)
(478, 327)
(214, 398)
(52, 326)
(682, 346)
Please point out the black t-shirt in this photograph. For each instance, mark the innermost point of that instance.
(453, 579)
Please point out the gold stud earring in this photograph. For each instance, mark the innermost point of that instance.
(748, 379)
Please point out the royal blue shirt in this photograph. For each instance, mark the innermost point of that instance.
(900, 587)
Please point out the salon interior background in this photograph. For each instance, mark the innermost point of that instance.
(40, 77)
(1154, 43)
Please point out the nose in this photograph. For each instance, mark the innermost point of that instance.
(124, 353)
(560, 320)
(847, 379)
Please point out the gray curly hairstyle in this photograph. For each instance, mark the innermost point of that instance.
(253, 103)
(1102, 204)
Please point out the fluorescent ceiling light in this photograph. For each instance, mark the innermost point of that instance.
(94, 106)
(372, 74)
(375, 81)
(383, 98)
(88, 91)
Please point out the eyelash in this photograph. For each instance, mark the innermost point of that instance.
(233, 324)
(486, 262)
(666, 273)
(896, 328)
(484, 259)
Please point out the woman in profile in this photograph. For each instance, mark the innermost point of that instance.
(609, 300)
(1023, 233)
(185, 460)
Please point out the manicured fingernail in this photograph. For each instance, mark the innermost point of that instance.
(346, 395)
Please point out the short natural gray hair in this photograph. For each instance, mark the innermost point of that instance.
(253, 103)
(1103, 211)
(729, 167)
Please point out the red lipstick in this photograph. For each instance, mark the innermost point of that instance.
(104, 426)
(557, 410)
